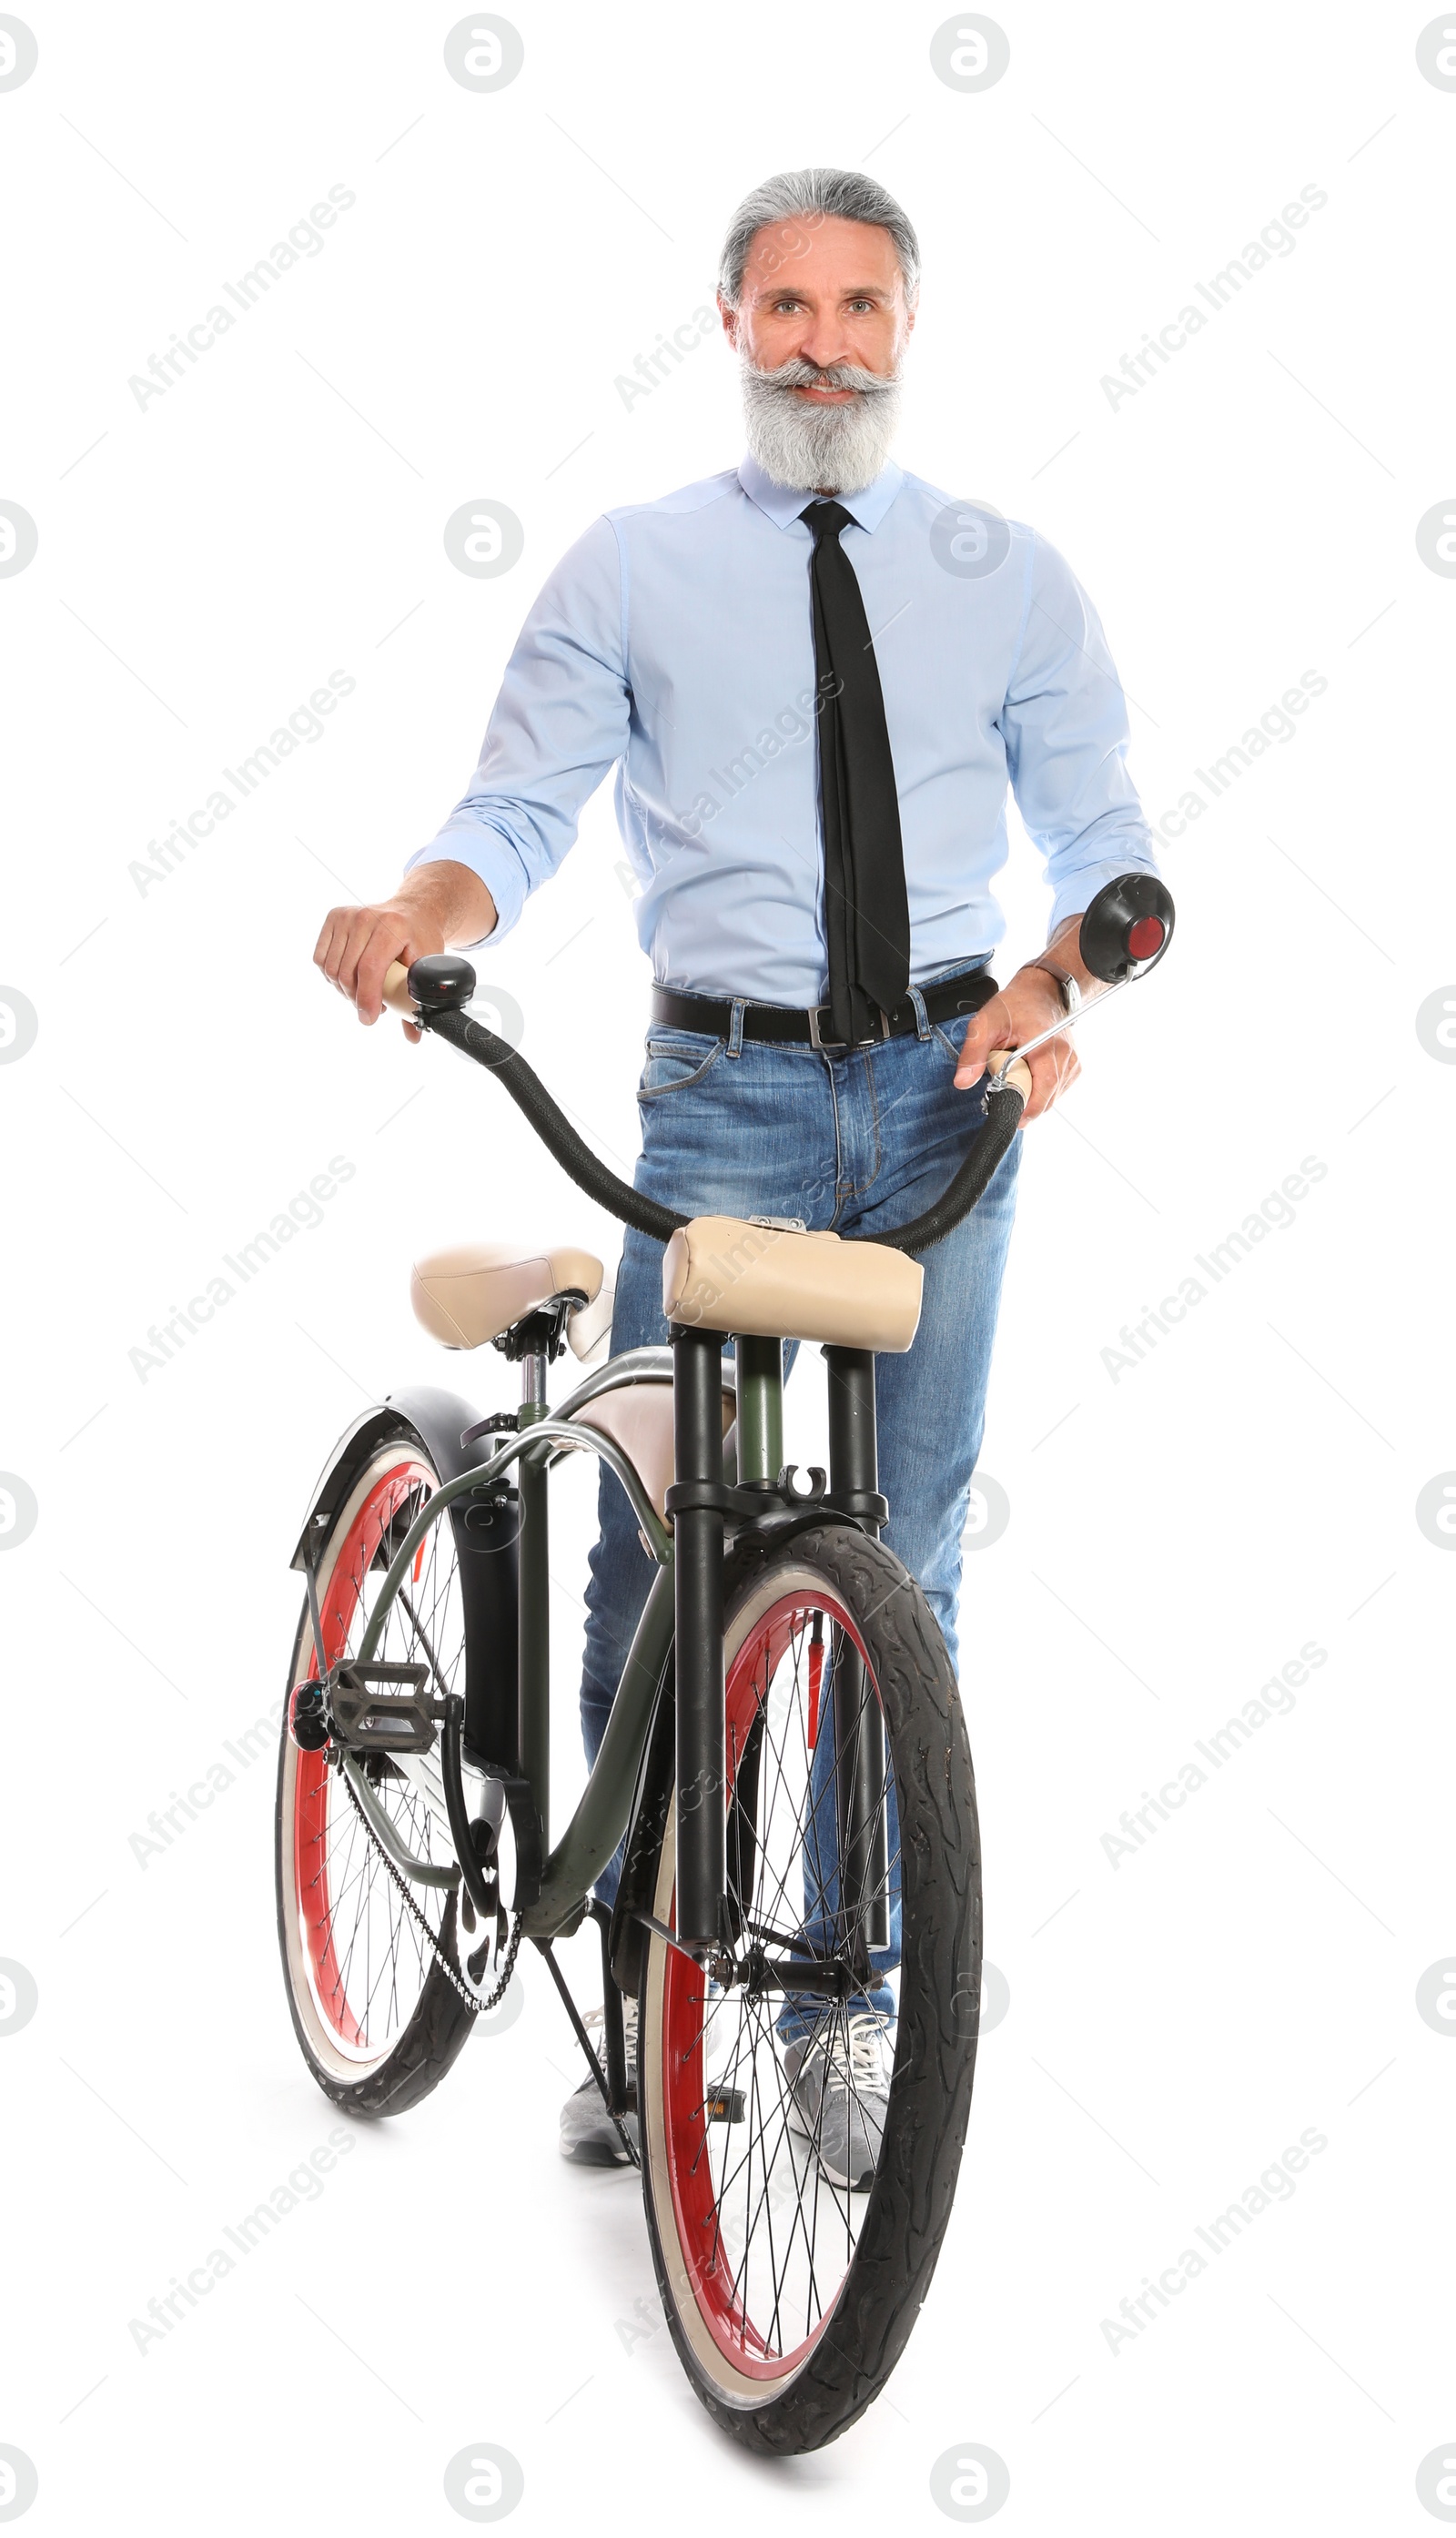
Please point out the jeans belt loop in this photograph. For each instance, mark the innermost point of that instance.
(922, 1019)
(735, 1026)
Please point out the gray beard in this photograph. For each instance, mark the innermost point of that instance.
(830, 448)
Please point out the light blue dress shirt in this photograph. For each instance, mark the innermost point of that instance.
(674, 641)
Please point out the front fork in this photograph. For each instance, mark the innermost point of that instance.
(703, 1919)
(698, 1533)
(859, 1729)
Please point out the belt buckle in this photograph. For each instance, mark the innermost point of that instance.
(829, 1046)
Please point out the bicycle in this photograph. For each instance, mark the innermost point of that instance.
(787, 1754)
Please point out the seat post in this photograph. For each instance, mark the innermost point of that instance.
(698, 1562)
(859, 1732)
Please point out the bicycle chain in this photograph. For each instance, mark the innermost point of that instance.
(478, 2007)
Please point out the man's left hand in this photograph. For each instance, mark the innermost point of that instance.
(1028, 1005)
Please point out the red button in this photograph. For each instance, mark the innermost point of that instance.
(1145, 937)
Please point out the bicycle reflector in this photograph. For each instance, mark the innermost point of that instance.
(1128, 926)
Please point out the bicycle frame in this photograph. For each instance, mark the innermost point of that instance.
(1124, 931)
(684, 1602)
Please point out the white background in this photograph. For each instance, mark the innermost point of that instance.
(1175, 1534)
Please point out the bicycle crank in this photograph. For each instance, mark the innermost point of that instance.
(487, 1903)
(367, 1716)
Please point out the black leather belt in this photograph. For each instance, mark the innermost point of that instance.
(787, 1024)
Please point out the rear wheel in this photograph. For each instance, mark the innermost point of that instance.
(379, 2020)
(791, 2291)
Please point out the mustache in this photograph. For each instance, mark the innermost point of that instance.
(797, 373)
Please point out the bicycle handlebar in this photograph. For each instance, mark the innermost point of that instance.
(1126, 929)
(450, 1022)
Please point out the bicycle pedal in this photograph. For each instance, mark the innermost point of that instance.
(371, 1719)
(725, 2106)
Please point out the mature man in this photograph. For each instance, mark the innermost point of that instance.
(815, 675)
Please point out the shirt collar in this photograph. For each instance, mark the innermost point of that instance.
(782, 504)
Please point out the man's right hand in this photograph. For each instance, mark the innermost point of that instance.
(437, 904)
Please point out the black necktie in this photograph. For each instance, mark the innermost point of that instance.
(866, 917)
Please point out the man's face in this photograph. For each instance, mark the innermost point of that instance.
(824, 291)
(819, 330)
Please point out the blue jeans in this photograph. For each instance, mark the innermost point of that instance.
(858, 1144)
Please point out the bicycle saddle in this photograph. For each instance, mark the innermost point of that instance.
(475, 1292)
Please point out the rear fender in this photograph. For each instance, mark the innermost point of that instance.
(484, 1539)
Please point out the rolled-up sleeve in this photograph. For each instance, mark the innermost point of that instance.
(558, 727)
(1065, 728)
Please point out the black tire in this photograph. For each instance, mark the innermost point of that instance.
(423, 2022)
(868, 2321)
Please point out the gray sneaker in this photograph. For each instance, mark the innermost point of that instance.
(839, 2080)
(588, 2134)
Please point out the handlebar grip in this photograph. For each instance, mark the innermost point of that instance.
(396, 990)
(1018, 1073)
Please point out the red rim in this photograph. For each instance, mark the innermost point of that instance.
(338, 1605)
(685, 2093)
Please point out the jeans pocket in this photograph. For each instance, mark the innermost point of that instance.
(676, 1060)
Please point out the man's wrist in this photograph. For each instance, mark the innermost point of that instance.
(1065, 980)
(451, 897)
(1065, 948)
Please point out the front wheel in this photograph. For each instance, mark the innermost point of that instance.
(795, 2227)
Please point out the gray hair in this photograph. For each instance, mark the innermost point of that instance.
(831, 193)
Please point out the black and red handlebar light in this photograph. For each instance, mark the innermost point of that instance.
(1128, 926)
